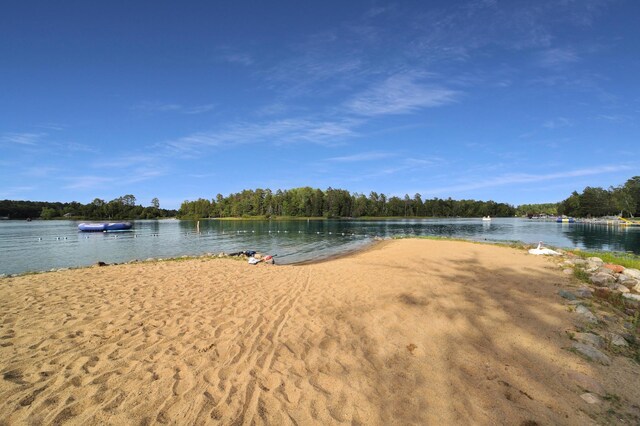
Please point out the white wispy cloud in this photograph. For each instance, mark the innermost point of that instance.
(557, 57)
(525, 178)
(40, 172)
(400, 94)
(274, 132)
(16, 192)
(363, 156)
(160, 107)
(238, 58)
(25, 138)
(557, 123)
(87, 181)
(131, 160)
(98, 182)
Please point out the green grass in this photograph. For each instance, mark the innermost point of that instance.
(581, 275)
(627, 260)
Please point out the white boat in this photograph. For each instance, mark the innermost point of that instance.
(486, 218)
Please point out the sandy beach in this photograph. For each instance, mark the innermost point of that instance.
(407, 332)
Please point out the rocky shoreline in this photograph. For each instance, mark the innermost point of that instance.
(606, 301)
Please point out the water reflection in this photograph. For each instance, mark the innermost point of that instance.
(42, 245)
(609, 238)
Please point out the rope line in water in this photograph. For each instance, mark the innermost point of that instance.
(198, 234)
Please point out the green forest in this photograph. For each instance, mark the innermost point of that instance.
(120, 208)
(335, 203)
(623, 200)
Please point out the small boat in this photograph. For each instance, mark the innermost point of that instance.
(565, 220)
(104, 227)
(486, 218)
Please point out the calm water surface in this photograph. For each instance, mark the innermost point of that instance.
(43, 245)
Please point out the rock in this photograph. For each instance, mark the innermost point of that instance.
(637, 287)
(631, 296)
(595, 260)
(590, 398)
(590, 339)
(578, 261)
(619, 287)
(622, 278)
(601, 279)
(629, 338)
(586, 314)
(615, 339)
(591, 267)
(587, 383)
(567, 271)
(100, 264)
(3, 275)
(584, 292)
(632, 273)
(591, 353)
(567, 295)
(614, 268)
(150, 259)
(602, 292)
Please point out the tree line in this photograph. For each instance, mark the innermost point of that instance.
(124, 207)
(622, 200)
(334, 203)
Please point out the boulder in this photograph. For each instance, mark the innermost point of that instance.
(632, 273)
(578, 261)
(567, 271)
(637, 287)
(591, 353)
(590, 339)
(591, 267)
(631, 296)
(595, 260)
(614, 268)
(619, 287)
(615, 339)
(622, 278)
(567, 295)
(601, 279)
(585, 313)
(584, 292)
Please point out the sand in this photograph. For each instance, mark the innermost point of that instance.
(408, 332)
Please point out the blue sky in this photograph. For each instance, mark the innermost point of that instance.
(514, 101)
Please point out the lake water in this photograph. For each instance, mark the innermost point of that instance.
(43, 245)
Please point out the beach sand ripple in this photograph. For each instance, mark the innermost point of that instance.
(408, 332)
